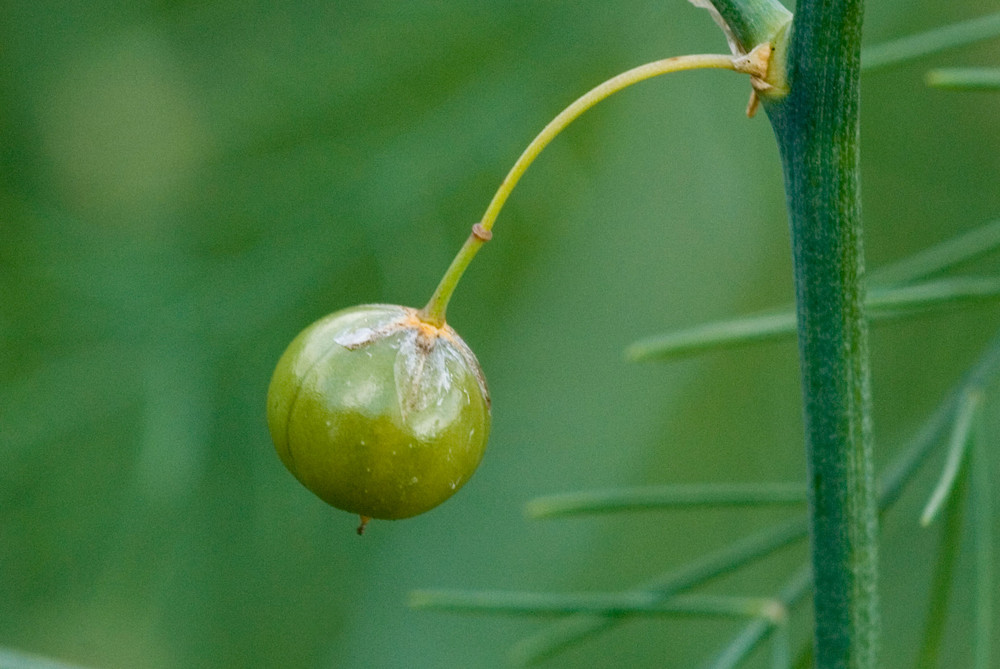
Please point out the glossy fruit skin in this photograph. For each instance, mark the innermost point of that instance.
(379, 413)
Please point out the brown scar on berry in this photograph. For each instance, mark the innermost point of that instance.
(364, 523)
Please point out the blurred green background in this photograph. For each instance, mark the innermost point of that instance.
(185, 185)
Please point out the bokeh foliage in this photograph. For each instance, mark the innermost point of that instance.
(185, 185)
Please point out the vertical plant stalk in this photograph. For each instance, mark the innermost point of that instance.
(816, 125)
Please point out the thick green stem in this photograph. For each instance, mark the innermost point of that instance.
(816, 126)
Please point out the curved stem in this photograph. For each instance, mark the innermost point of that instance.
(588, 100)
(434, 311)
(959, 444)
(943, 577)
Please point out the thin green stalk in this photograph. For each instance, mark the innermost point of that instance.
(12, 659)
(770, 326)
(755, 632)
(897, 475)
(436, 308)
(983, 521)
(781, 646)
(607, 604)
(945, 255)
(965, 79)
(434, 311)
(743, 551)
(930, 42)
(944, 572)
(883, 304)
(957, 448)
(704, 337)
(666, 497)
(930, 294)
(744, 643)
(817, 128)
(591, 98)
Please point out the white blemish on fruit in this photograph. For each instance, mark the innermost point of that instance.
(355, 337)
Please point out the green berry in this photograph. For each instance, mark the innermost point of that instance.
(378, 412)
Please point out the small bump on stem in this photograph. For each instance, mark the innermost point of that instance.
(481, 232)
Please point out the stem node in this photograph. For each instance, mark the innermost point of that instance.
(482, 233)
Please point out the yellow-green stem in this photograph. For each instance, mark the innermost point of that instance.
(434, 312)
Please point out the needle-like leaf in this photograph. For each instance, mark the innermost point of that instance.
(983, 521)
(781, 324)
(666, 497)
(610, 604)
(943, 578)
(882, 304)
(572, 629)
(940, 257)
(965, 79)
(933, 41)
(957, 448)
(12, 659)
(756, 631)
